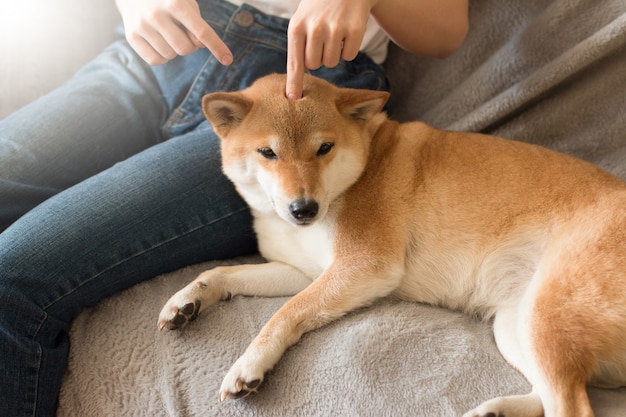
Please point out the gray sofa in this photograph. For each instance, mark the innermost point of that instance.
(546, 72)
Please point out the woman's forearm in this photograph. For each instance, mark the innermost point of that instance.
(428, 27)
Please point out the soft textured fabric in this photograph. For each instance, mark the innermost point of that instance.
(546, 72)
(391, 359)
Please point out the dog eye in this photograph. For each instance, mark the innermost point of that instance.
(267, 153)
(325, 148)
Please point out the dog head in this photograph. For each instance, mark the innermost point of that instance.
(294, 157)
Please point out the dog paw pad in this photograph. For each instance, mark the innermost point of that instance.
(189, 312)
(243, 389)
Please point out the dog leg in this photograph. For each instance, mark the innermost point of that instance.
(538, 343)
(338, 291)
(561, 346)
(555, 336)
(505, 330)
(273, 279)
(576, 317)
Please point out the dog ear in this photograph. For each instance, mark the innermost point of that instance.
(225, 111)
(361, 105)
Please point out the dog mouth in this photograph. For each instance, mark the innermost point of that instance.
(302, 222)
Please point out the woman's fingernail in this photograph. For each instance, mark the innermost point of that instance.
(227, 60)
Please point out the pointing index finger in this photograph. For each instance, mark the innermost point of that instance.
(295, 66)
(205, 35)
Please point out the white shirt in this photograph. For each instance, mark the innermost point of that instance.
(374, 42)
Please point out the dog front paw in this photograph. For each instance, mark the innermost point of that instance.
(174, 317)
(242, 380)
(184, 306)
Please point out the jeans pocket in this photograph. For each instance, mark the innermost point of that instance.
(252, 61)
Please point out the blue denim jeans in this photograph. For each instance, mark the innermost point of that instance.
(114, 178)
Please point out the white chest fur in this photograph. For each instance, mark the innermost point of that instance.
(308, 248)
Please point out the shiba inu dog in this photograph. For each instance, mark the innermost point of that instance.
(350, 206)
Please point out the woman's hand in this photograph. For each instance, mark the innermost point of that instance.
(160, 30)
(320, 33)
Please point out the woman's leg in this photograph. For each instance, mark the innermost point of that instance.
(62, 255)
(110, 110)
(160, 210)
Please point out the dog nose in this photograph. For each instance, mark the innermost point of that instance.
(304, 209)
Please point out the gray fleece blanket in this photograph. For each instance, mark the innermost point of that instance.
(546, 72)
